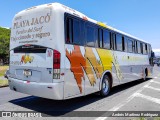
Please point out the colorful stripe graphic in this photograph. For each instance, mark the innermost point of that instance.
(93, 63)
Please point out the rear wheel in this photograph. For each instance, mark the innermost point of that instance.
(105, 86)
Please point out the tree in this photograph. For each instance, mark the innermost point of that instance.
(4, 44)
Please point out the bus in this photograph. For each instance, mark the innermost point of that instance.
(59, 53)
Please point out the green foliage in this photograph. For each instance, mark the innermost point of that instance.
(4, 41)
(3, 83)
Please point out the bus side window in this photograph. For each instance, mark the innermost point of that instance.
(106, 39)
(130, 46)
(119, 42)
(141, 48)
(100, 39)
(133, 46)
(77, 32)
(149, 50)
(146, 48)
(144, 52)
(123, 44)
(91, 35)
(113, 41)
(126, 44)
(69, 30)
(136, 48)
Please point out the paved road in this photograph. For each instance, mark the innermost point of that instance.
(134, 96)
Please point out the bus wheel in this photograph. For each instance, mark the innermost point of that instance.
(105, 86)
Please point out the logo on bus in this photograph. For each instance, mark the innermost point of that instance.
(27, 59)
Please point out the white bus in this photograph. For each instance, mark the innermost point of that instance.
(59, 53)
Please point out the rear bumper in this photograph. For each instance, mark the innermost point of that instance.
(45, 90)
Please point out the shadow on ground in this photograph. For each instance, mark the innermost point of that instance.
(64, 107)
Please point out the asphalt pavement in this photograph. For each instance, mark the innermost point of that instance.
(134, 96)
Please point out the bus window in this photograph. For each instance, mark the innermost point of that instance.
(106, 39)
(123, 44)
(144, 52)
(145, 48)
(135, 47)
(76, 32)
(119, 42)
(90, 36)
(73, 32)
(149, 49)
(139, 47)
(69, 31)
(130, 45)
(100, 40)
(113, 40)
(126, 43)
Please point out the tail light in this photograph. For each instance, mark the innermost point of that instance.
(56, 64)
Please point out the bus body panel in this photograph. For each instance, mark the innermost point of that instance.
(37, 28)
(88, 65)
(131, 66)
(33, 27)
(45, 90)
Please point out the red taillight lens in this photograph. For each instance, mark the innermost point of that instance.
(56, 60)
(56, 64)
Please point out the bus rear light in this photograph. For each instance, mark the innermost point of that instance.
(56, 64)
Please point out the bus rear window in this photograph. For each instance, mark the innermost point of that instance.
(30, 49)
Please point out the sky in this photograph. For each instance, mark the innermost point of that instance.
(140, 18)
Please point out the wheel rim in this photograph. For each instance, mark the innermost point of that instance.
(105, 86)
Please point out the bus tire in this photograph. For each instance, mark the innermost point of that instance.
(105, 86)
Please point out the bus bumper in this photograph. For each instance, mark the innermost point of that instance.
(44, 90)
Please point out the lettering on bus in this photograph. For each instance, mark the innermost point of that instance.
(31, 36)
(31, 29)
(33, 21)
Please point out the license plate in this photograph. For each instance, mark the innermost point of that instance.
(27, 72)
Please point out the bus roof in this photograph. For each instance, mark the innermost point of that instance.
(69, 10)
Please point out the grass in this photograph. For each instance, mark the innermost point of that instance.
(3, 83)
(2, 72)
